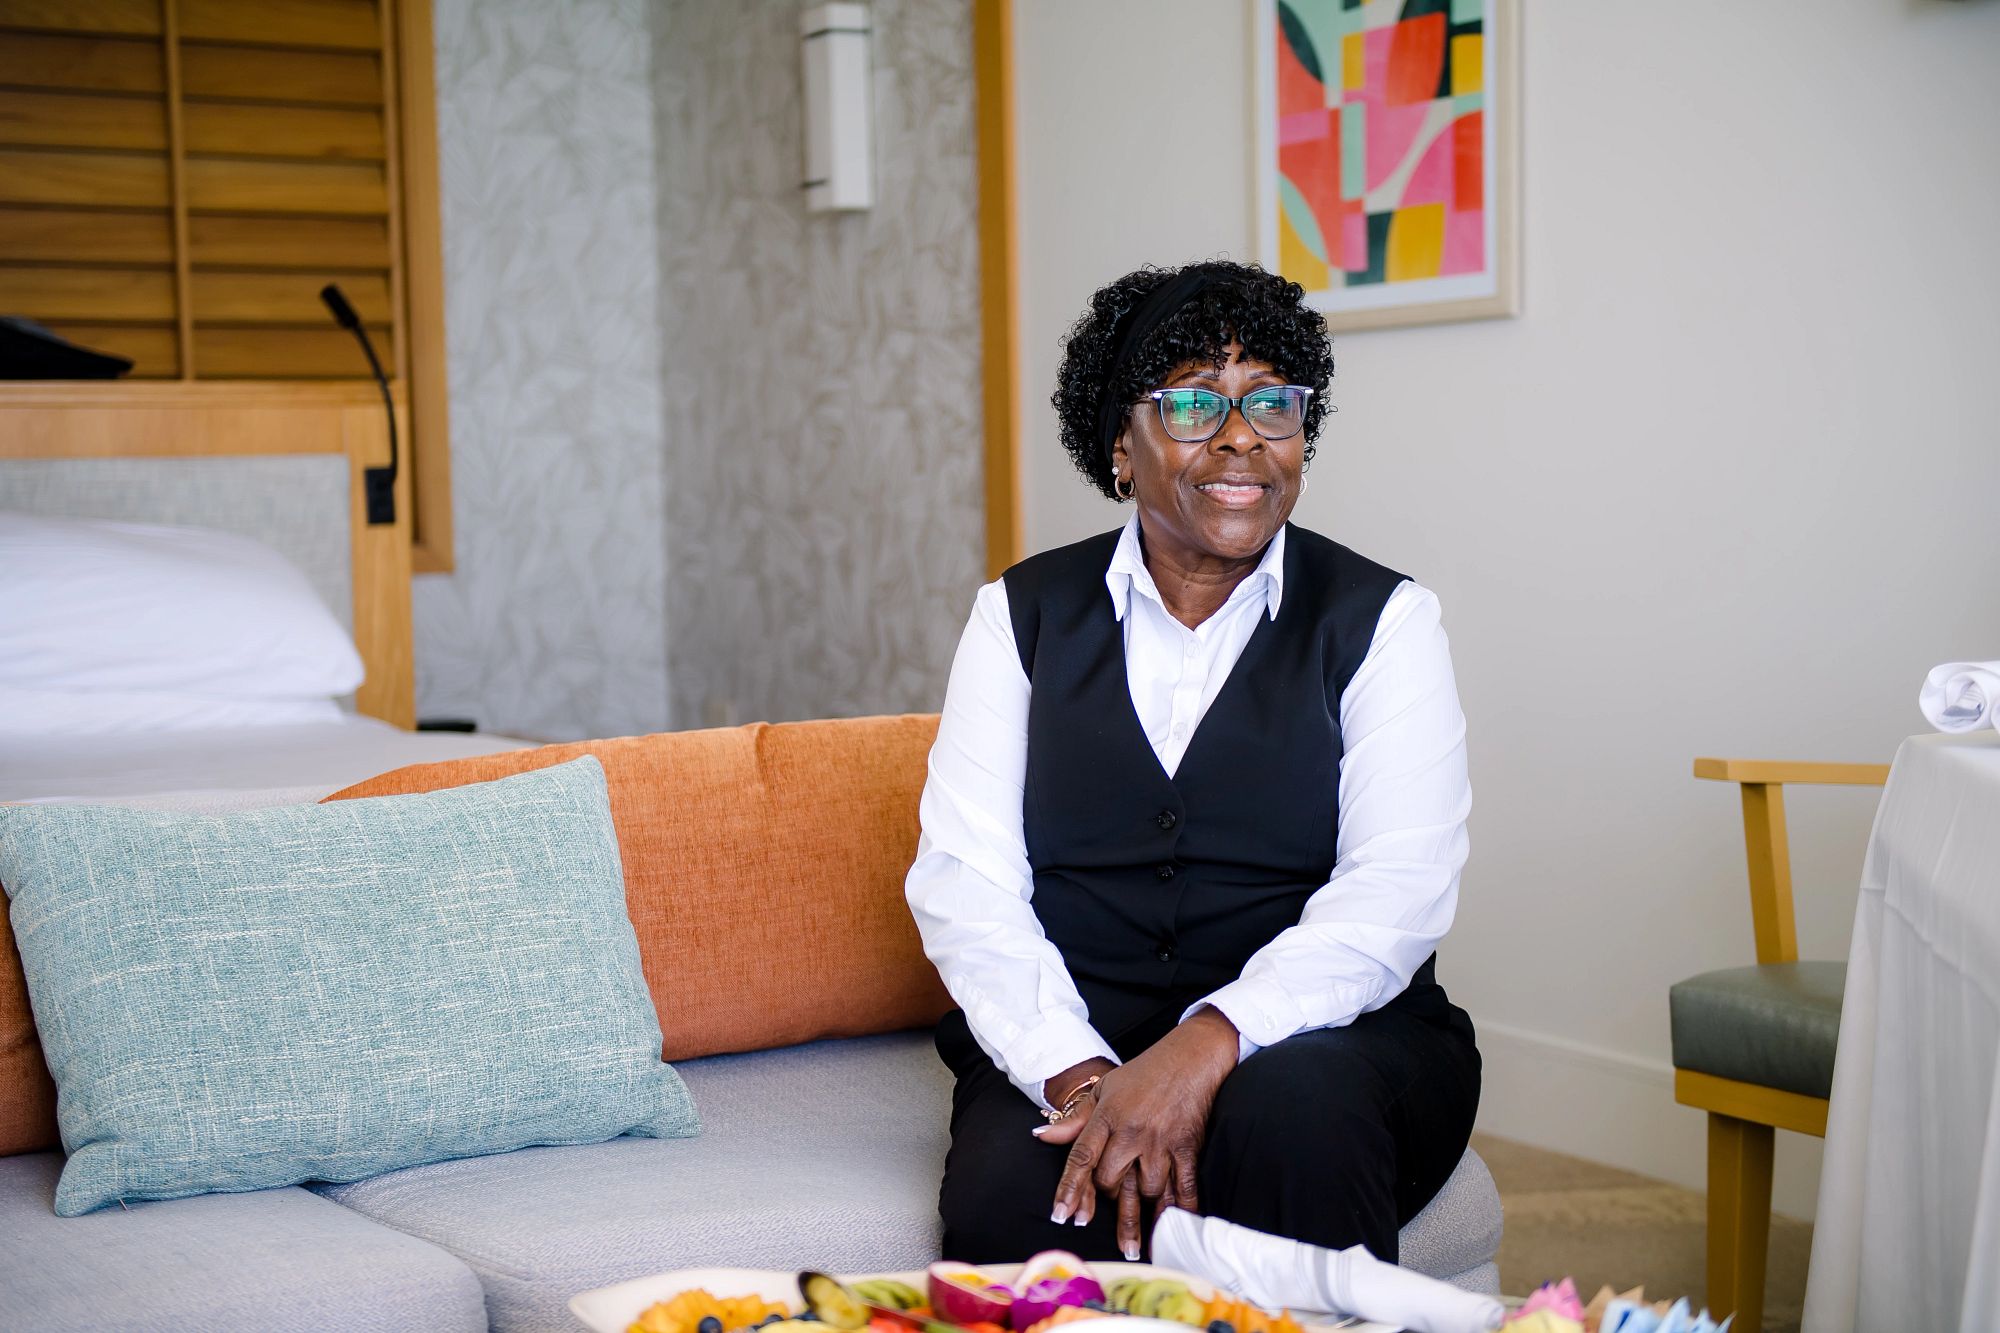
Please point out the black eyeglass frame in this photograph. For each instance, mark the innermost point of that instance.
(1159, 397)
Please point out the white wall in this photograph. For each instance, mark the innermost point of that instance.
(1728, 486)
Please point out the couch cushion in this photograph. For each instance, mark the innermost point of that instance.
(826, 1156)
(764, 872)
(234, 1002)
(1457, 1235)
(1775, 1024)
(276, 1260)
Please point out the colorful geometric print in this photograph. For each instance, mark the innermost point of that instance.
(1381, 140)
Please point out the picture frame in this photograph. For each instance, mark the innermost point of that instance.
(1368, 119)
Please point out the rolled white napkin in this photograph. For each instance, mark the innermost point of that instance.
(1277, 1273)
(1962, 696)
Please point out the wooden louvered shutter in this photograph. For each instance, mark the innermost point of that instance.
(179, 178)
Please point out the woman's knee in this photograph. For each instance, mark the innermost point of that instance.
(993, 1195)
(1323, 1174)
(1330, 1144)
(979, 1229)
(1311, 1078)
(998, 1212)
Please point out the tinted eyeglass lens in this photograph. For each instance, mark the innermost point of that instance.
(1191, 414)
(1276, 413)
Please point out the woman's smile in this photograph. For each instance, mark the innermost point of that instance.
(1235, 492)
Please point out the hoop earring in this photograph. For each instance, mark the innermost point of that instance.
(1305, 483)
(1119, 485)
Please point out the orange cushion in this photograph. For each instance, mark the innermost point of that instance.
(27, 1093)
(764, 873)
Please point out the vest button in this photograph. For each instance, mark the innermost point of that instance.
(1165, 872)
(1166, 819)
(1165, 953)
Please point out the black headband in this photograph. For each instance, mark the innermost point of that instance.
(1133, 330)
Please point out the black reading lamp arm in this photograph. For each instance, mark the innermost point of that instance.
(378, 484)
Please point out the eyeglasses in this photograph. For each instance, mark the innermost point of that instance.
(1276, 412)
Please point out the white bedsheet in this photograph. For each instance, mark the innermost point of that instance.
(239, 768)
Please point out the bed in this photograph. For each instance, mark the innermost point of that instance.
(275, 469)
(233, 768)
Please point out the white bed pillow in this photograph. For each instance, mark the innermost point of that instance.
(32, 714)
(93, 607)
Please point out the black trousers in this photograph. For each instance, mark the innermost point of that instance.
(1336, 1136)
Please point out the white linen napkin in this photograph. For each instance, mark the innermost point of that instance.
(1962, 696)
(1277, 1273)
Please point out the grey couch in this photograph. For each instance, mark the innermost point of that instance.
(803, 1161)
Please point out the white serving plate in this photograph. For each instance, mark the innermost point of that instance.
(612, 1309)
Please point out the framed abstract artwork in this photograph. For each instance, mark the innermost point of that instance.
(1387, 178)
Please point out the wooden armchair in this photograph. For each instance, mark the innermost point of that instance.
(1753, 1046)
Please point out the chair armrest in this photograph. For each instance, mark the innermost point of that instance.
(1777, 771)
(1762, 782)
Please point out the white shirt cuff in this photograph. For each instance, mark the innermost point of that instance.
(1263, 1014)
(1245, 1048)
(1061, 1041)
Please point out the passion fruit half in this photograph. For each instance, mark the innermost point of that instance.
(964, 1295)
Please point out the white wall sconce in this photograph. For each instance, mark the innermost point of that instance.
(839, 138)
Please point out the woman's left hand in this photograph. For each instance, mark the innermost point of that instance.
(1139, 1134)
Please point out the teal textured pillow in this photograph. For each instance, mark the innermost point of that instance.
(327, 992)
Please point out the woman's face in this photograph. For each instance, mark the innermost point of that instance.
(1225, 497)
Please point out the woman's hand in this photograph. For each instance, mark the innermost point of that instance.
(1139, 1133)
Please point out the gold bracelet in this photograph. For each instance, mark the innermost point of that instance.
(1076, 1095)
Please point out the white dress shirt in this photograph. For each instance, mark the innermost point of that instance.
(1404, 798)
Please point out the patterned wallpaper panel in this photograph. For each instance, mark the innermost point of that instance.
(553, 624)
(821, 371)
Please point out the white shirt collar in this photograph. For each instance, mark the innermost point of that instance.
(1128, 572)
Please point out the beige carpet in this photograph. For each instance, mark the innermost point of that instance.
(1599, 1224)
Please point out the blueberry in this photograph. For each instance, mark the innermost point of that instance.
(708, 1324)
(809, 1317)
(1221, 1326)
(770, 1319)
(1096, 1305)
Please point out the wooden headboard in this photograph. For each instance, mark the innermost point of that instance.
(179, 178)
(134, 419)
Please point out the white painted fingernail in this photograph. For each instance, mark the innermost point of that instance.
(1081, 1221)
(1132, 1253)
(1060, 1215)
(1040, 1130)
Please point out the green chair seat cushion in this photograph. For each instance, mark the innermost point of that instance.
(1775, 1024)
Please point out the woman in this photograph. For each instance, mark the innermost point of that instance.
(1194, 823)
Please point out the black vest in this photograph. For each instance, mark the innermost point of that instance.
(1157, 890)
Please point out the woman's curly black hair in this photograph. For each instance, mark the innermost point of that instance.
(1241, 303)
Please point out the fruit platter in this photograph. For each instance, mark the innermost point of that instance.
(1049, 1291)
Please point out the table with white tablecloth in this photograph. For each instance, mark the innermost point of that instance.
(1908, 1232)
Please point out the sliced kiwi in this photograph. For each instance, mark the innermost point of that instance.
(1154, 1294)
(887, 1291)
